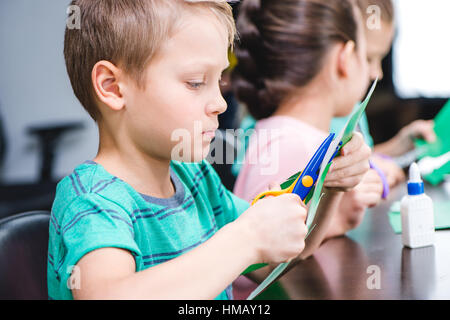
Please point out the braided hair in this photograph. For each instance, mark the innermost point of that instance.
(283, 44)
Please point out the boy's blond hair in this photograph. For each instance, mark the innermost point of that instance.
(128, 33)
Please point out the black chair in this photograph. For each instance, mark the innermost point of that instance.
(16, 198)
(23, 256)
(49, 137)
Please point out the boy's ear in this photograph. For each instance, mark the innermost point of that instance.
(346, 54)
(106, 85)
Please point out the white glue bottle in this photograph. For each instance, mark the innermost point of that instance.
(417, 213)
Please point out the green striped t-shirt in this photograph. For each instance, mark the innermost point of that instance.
(94, 209)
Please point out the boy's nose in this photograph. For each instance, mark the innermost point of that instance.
(218, 106)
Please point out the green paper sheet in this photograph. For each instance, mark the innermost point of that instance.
(441, 216)
(438, 148)
(438, 175)
(344, 137)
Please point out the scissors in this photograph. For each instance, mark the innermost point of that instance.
(306, 179)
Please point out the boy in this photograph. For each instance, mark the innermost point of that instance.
(134, 223)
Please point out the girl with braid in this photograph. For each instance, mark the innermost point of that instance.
(301, 63)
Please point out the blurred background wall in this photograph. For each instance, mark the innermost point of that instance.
(35, 89)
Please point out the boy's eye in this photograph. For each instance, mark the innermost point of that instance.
(195, 85)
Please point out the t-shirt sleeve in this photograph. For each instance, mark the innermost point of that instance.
(89, 223)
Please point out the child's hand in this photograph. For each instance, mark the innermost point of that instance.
(349, 169)
(277, 227)
(369, 192)
(354, 203)
(404, 140)
(418, 129)
(394, 174)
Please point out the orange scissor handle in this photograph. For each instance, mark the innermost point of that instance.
(276, 193)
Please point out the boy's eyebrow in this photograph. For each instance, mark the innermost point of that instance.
(206, 65)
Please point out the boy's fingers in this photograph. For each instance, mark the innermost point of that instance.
(294, 198)
(274, 186)
(304, 206)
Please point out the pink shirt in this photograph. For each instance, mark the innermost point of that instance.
(280, 147)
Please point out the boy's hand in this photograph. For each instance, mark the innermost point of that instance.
(276, 226)
(349, 169)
